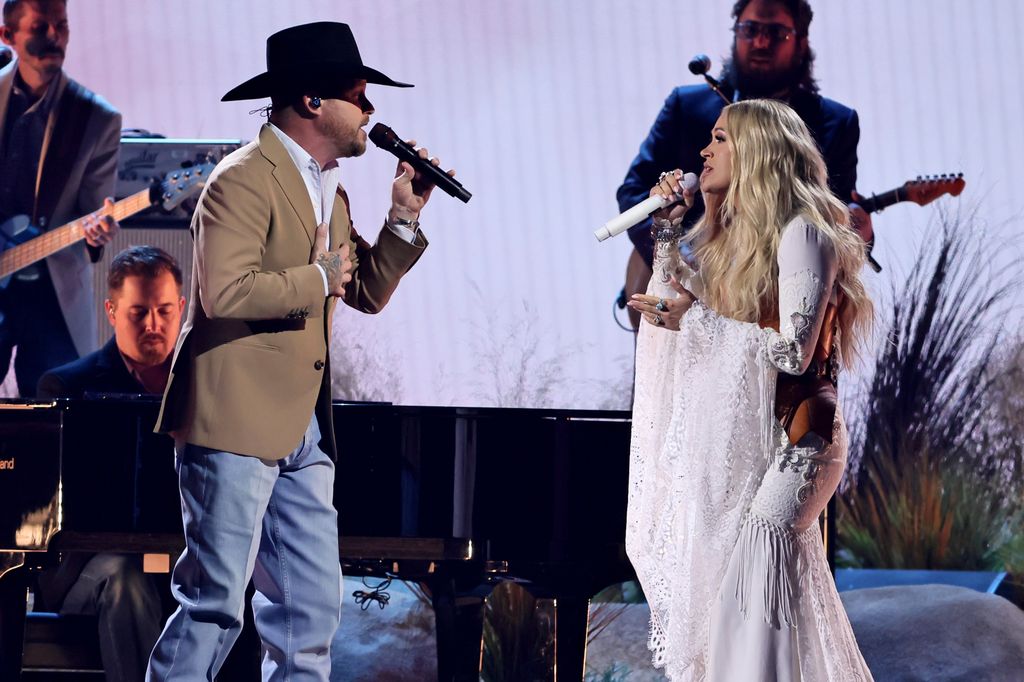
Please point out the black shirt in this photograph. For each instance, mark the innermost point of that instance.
(20, 147)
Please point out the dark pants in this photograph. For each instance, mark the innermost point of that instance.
(33, 322)
(123, 598)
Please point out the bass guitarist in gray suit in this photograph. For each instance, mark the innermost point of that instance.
(58, 161)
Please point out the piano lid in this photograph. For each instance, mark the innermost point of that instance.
(30, 495)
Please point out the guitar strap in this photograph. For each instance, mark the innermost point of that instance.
(62, 140)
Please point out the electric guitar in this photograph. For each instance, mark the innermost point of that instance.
(23, 245)
(921, 191)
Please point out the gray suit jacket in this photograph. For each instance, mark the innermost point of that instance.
(84, 181)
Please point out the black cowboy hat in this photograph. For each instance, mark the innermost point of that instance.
(318, 54)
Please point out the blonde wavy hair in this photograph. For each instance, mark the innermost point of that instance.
(777, 174)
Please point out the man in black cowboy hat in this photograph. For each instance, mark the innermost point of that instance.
(249, 396)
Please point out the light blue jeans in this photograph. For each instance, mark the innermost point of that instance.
(273, 521)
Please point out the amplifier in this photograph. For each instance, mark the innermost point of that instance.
(145, 159)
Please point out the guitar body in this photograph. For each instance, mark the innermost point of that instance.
(15, 231)
(638, 275)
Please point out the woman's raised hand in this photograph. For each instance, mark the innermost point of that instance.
(670, 185)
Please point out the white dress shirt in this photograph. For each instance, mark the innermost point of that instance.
(322, 184)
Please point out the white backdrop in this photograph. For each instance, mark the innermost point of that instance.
(540, 106)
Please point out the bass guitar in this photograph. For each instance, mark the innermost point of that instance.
(23, 244)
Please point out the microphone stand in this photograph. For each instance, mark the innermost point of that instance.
(716, 86)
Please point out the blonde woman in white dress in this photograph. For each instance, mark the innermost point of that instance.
(738, 442)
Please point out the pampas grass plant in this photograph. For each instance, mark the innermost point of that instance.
(936, 478)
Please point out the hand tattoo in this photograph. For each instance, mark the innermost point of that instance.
(331, 263)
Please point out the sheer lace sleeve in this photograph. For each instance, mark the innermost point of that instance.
(672, 258)
(807, 272)
(701, 438)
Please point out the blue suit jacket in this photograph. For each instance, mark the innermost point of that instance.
(102, 371)
(683, 128)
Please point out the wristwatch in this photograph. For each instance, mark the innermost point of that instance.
(413, 224)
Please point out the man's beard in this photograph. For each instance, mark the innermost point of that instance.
(152, 351)
(757, 83)
(349, 142)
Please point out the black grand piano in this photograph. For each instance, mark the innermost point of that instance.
(455, 498)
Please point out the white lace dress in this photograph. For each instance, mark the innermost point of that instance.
(721, 525)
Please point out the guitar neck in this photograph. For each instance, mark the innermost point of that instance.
(879, 201)
(52, 241)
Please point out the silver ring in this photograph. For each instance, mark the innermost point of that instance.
(661, 307)
(658, 321)
(662, 176)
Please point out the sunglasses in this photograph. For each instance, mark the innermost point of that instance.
(777, 33)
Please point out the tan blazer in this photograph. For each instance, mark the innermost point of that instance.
(252, 362)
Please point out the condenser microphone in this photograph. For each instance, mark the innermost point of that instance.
(386, 139)
(632, 216)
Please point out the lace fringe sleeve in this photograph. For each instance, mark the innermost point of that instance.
(803, 298)
(807, 272)
(702, 420)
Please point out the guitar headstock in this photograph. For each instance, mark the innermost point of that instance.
(178, 185)
(927, 189)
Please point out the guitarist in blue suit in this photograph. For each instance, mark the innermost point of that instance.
(58, 161)
(771, 58)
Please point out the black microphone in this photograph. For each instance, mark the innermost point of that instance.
(700, 64)
(386, 139)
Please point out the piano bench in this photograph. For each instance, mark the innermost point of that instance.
(56, 643)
